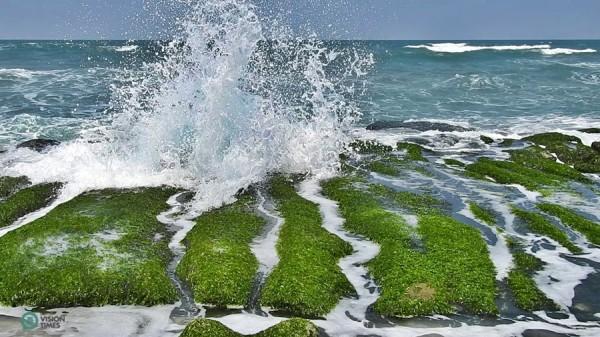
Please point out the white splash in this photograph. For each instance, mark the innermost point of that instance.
(213, 116)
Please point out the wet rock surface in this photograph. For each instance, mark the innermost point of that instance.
(419, 126)
(38, 145)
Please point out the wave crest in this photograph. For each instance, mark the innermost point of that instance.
(455, 48)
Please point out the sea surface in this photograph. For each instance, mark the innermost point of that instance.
(58, 89)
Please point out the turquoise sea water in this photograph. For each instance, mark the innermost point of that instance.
(57, 88)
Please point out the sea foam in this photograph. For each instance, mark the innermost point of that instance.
(545, 49)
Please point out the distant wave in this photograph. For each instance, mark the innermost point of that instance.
(545, 49)
(566, 51)
(127, 48)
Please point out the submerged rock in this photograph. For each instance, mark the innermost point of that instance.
(419, 126)
(38, 145)
(486, 139)
(590, 130)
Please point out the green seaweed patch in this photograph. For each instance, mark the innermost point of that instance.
(411, 202)
(483, 214)
(307, 281)
(26, 201)
(520, 281)
(9, 185)
(218, 263)
(450, 272)
(370, 147)
(507, 142)
(103, 247)
(540, 225)
(454, 162)
(383, 167)
(570, 150)
(507, 172)
(294, 327)
(414, 152)
(539, 159)
(588, 228)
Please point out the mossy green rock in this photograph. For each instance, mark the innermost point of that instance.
(290, 328)
(26, 201)
(307, 281)
(451, 267)
(540, 225)
(218, 263)
(103, 247)
(570, 150)
(588, 228)
(527, 295)
(9, 185)
(413, 151)
(370, 147)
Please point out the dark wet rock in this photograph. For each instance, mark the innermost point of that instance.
(590, 130)
(486, 139)
(419, 126)
(542, 333)
(507, 142)
(596, 146)
(419, 140)
(38, 145)
(432, 335)
(569, 150)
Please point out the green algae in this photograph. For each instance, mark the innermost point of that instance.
(588, 228)
(483, 214)
(540, 225)
(218, 263)
(570, 150)
(454, 162)
(414, 152)
(507, 172)
(307, 281)
(291, 328)
(448, 271)
(9, 185)
(383, 167)
(26, 201)
(539, 159)
(525, 291)
(103, 247)
(370, 147)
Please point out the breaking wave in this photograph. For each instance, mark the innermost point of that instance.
(545, 49)
(223, 108)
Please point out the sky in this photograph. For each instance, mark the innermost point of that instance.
(330, 19)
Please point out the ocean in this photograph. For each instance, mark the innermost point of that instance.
(57, 89)
(224, 108)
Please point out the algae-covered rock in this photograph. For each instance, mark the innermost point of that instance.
(101, 248)
(370, 147)
(413, 151)
(486, 139)
(596, 146)
(38, 145)
(26, 201)
(218, 264)
(9, 185)
(570, 150)
(291, 328)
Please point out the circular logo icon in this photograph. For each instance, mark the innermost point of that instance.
(30, 320)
